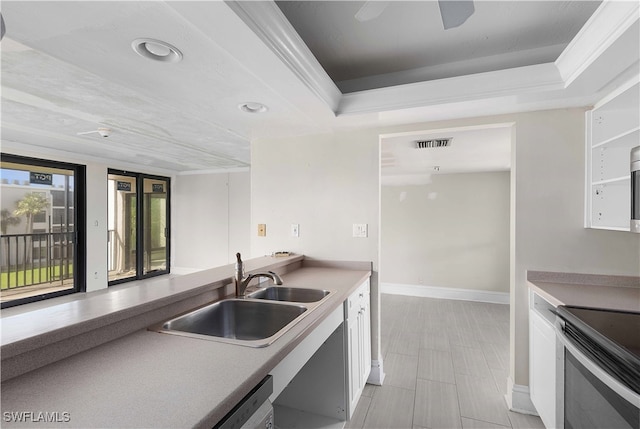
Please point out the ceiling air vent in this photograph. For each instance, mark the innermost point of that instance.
(426, 144)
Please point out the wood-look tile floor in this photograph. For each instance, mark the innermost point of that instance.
(446, 365)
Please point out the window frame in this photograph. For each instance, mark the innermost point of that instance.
(79, 222)
(140, 224)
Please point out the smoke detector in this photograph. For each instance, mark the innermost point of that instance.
(432, 143)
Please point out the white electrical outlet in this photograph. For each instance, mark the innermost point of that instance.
(295, 230)
(360, 230)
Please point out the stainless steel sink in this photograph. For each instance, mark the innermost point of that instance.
(238, 321)
(290, 294)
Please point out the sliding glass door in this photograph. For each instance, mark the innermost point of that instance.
(155, 225)
(42, 242)
(138, 212)
(122, 214)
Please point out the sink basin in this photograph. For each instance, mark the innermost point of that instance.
(253, 323)
(291, 294)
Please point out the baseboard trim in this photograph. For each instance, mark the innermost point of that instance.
(518, 398)
(376, 376)
(445, 293)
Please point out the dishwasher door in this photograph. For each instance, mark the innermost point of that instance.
(254, 411)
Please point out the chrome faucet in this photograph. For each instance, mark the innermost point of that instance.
(241, 282)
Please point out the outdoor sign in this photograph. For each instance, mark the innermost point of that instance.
(123, 186)
(36, 178)
(157, 187)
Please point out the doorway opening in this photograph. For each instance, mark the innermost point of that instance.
(445, 213)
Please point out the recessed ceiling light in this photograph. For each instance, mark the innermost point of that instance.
(156, 50)
(253, 107)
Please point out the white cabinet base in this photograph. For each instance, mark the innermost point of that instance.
(358, 343)
(545, 360)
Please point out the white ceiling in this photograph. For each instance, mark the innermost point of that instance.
(471, 149)
(68, 67)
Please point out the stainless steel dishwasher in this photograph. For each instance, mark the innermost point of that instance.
(254, 411)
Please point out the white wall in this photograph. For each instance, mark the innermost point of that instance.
(549, 179)
(324, 183)
(239, 215)
(453, 232)
(327, 182)
(210, 220)
(97, 270)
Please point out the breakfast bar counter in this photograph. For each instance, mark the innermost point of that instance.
(151, 379)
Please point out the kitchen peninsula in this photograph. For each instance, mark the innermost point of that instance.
(140, 378)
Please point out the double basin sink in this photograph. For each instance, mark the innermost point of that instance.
(255, 321)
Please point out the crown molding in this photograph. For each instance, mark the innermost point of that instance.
(268, 22)
(608, 23)
(215, 171)
(511, 82)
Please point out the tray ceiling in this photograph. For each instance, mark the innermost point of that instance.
(69, 68)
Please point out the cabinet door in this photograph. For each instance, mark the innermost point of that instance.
(366, 335)
(354, 361)
(543, 368)
(359, 342)
(361, 352)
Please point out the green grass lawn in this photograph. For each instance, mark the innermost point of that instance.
(37, 275)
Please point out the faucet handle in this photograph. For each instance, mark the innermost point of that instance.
(239, 267)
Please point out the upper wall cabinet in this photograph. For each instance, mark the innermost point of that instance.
(613, 129)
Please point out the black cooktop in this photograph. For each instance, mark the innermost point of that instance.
(611, 337)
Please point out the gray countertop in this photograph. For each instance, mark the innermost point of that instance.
(587, 290)
(150, 379)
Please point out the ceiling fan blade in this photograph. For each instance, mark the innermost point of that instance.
(455, 13)
(2, 29)
(370, 10)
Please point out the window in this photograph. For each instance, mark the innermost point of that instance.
(42, 254)
(138, 223)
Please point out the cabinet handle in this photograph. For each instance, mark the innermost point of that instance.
(361, 294)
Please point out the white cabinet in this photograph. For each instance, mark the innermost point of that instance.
(545, 360)
(613, 129)
(358, 318)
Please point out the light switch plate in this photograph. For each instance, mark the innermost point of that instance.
(360, 230)
(262, 230)
(295, 230)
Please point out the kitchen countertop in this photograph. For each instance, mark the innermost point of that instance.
(587, 290)
(150, 379)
